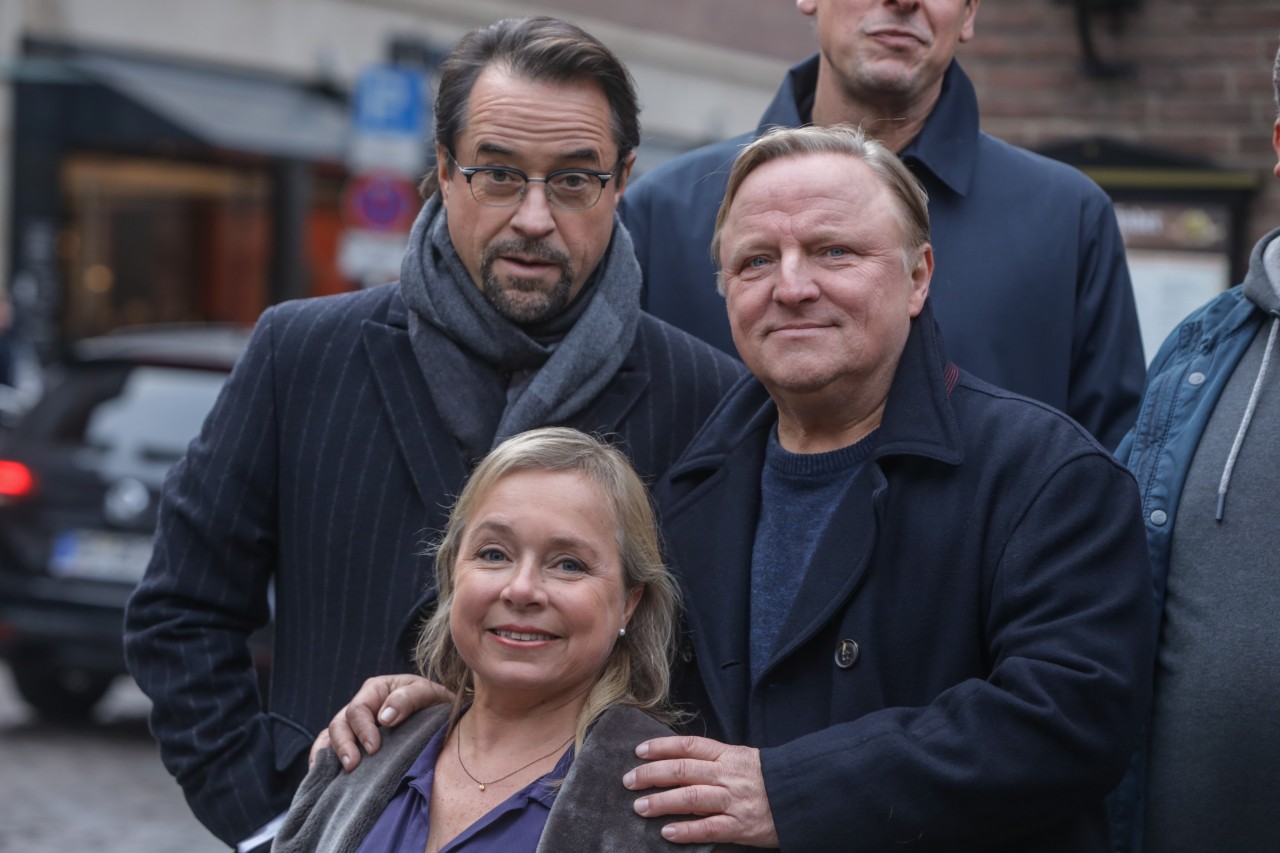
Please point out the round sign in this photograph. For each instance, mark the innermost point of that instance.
(380, 202)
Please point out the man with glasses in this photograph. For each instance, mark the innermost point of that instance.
(329, 461)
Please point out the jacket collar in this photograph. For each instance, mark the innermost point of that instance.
(792, 106)
(947, 145)
(593, 813)
(918, 418)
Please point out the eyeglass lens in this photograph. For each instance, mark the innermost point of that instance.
(570, 190)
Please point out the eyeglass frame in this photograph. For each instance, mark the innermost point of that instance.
(470, 172)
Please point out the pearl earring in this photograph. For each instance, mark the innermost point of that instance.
(622, 632)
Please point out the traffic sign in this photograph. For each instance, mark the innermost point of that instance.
(391, 99)
(390, 121)
(380, 201)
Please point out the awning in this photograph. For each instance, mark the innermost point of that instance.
(229, 110)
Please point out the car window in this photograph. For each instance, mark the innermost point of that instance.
(147, 412)
(155, 414)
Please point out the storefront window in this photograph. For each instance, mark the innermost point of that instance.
(1179, 259)
(150, 241)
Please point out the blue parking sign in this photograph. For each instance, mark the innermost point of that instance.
(391, 100)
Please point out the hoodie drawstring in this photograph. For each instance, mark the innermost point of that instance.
(1244, 422)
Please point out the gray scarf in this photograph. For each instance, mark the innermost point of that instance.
(490, 378)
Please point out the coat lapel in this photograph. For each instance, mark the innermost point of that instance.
(407, 402)
(432, 457)
(605, 414)
(714, 532)
(839, 563)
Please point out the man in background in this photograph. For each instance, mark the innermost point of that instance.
(1033, 292)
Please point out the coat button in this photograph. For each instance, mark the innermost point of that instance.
(1196, 378)
(1159, 517)
(846, 654)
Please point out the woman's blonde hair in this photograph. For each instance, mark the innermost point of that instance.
(638, 669)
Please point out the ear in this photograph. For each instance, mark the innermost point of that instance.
(1275, 143)
(807, 7)
(633, 599)
(970, 15)
(623, 174)
(442, 173)
(921, 275)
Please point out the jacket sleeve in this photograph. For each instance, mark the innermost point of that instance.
(1107, 363)
(205, 592)
(1048, 730)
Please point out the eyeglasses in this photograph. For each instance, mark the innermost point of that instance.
(505, 186)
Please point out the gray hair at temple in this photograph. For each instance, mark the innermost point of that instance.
(911, 210)
(638, 670)
(541, 49)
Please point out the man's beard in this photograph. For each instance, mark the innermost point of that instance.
(525, 301)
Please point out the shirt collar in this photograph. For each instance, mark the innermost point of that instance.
(947, 145)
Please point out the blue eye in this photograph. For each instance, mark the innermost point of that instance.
(757, 261)
(837, 251)
(492, 555)
(570, 565)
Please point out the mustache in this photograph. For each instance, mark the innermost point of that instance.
(538, 249)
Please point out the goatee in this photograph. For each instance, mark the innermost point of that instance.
(526, 301)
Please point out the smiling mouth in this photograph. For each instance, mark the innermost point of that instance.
(894, 35)
(522, 636)
(808, 327)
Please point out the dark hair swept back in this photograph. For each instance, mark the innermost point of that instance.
(541, 49)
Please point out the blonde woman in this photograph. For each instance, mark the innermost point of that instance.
(553, 631)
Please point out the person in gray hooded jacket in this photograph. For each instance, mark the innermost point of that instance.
(1205, 451)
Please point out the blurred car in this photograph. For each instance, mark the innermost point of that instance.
(80, 475)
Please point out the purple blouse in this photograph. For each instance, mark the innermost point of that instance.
(512, 826)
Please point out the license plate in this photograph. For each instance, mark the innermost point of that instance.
(100, 555)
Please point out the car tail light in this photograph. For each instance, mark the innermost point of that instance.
(15, 480)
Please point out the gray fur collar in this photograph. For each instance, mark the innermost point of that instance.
(333, 811)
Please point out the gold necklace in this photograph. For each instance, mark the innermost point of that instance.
(483, 785)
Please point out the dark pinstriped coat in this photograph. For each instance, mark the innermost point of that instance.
(325, 469)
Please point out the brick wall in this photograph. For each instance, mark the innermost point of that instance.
(1201, 81)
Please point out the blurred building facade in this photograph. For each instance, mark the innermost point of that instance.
(173, 160)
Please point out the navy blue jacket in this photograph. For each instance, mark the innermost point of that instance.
(1031, 285)
(325, 470)
(991, 569)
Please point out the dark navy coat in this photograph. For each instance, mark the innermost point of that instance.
(1031, 285)
(968, 660)
(325, 470)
